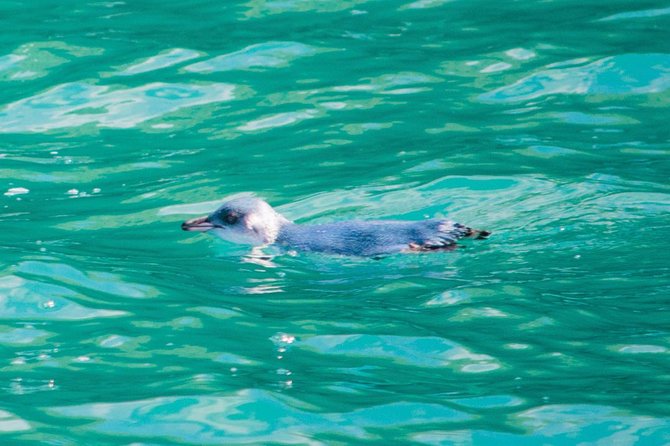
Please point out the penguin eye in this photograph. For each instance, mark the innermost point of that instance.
(231, 218)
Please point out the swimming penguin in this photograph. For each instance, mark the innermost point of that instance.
(253, 222)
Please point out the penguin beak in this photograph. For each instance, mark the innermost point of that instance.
(200, 224)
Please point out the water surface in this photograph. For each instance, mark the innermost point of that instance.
(544, 122)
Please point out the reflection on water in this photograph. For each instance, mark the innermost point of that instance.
(261, 8)
(36, 59)
(421, 352)
(646, 13)
(77, 104)
(11, 423)
(264, 55)
(625, 74)
(251, 415)
(165, 59)
(421, 4)
(93, 280)
(561, 425)
(23, 299)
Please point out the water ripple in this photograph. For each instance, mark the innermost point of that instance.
(262, 55)
(278, 120)
(26, 335)
(262, 8)
(92, 280)
(424, 4)
(563, 424)
(36, 59)
(11, 423)
(617, 75)
(420, 352)
(165, 59)
(643, 14)
(77, 104)
(23, 299)
(251, 416)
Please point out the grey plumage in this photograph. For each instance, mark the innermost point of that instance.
(368, 238)
(253, 221)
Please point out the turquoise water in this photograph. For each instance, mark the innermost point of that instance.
(544, 122)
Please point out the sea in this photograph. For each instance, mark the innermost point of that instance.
(544, 122)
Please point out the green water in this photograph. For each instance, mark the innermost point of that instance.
(544, 122)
